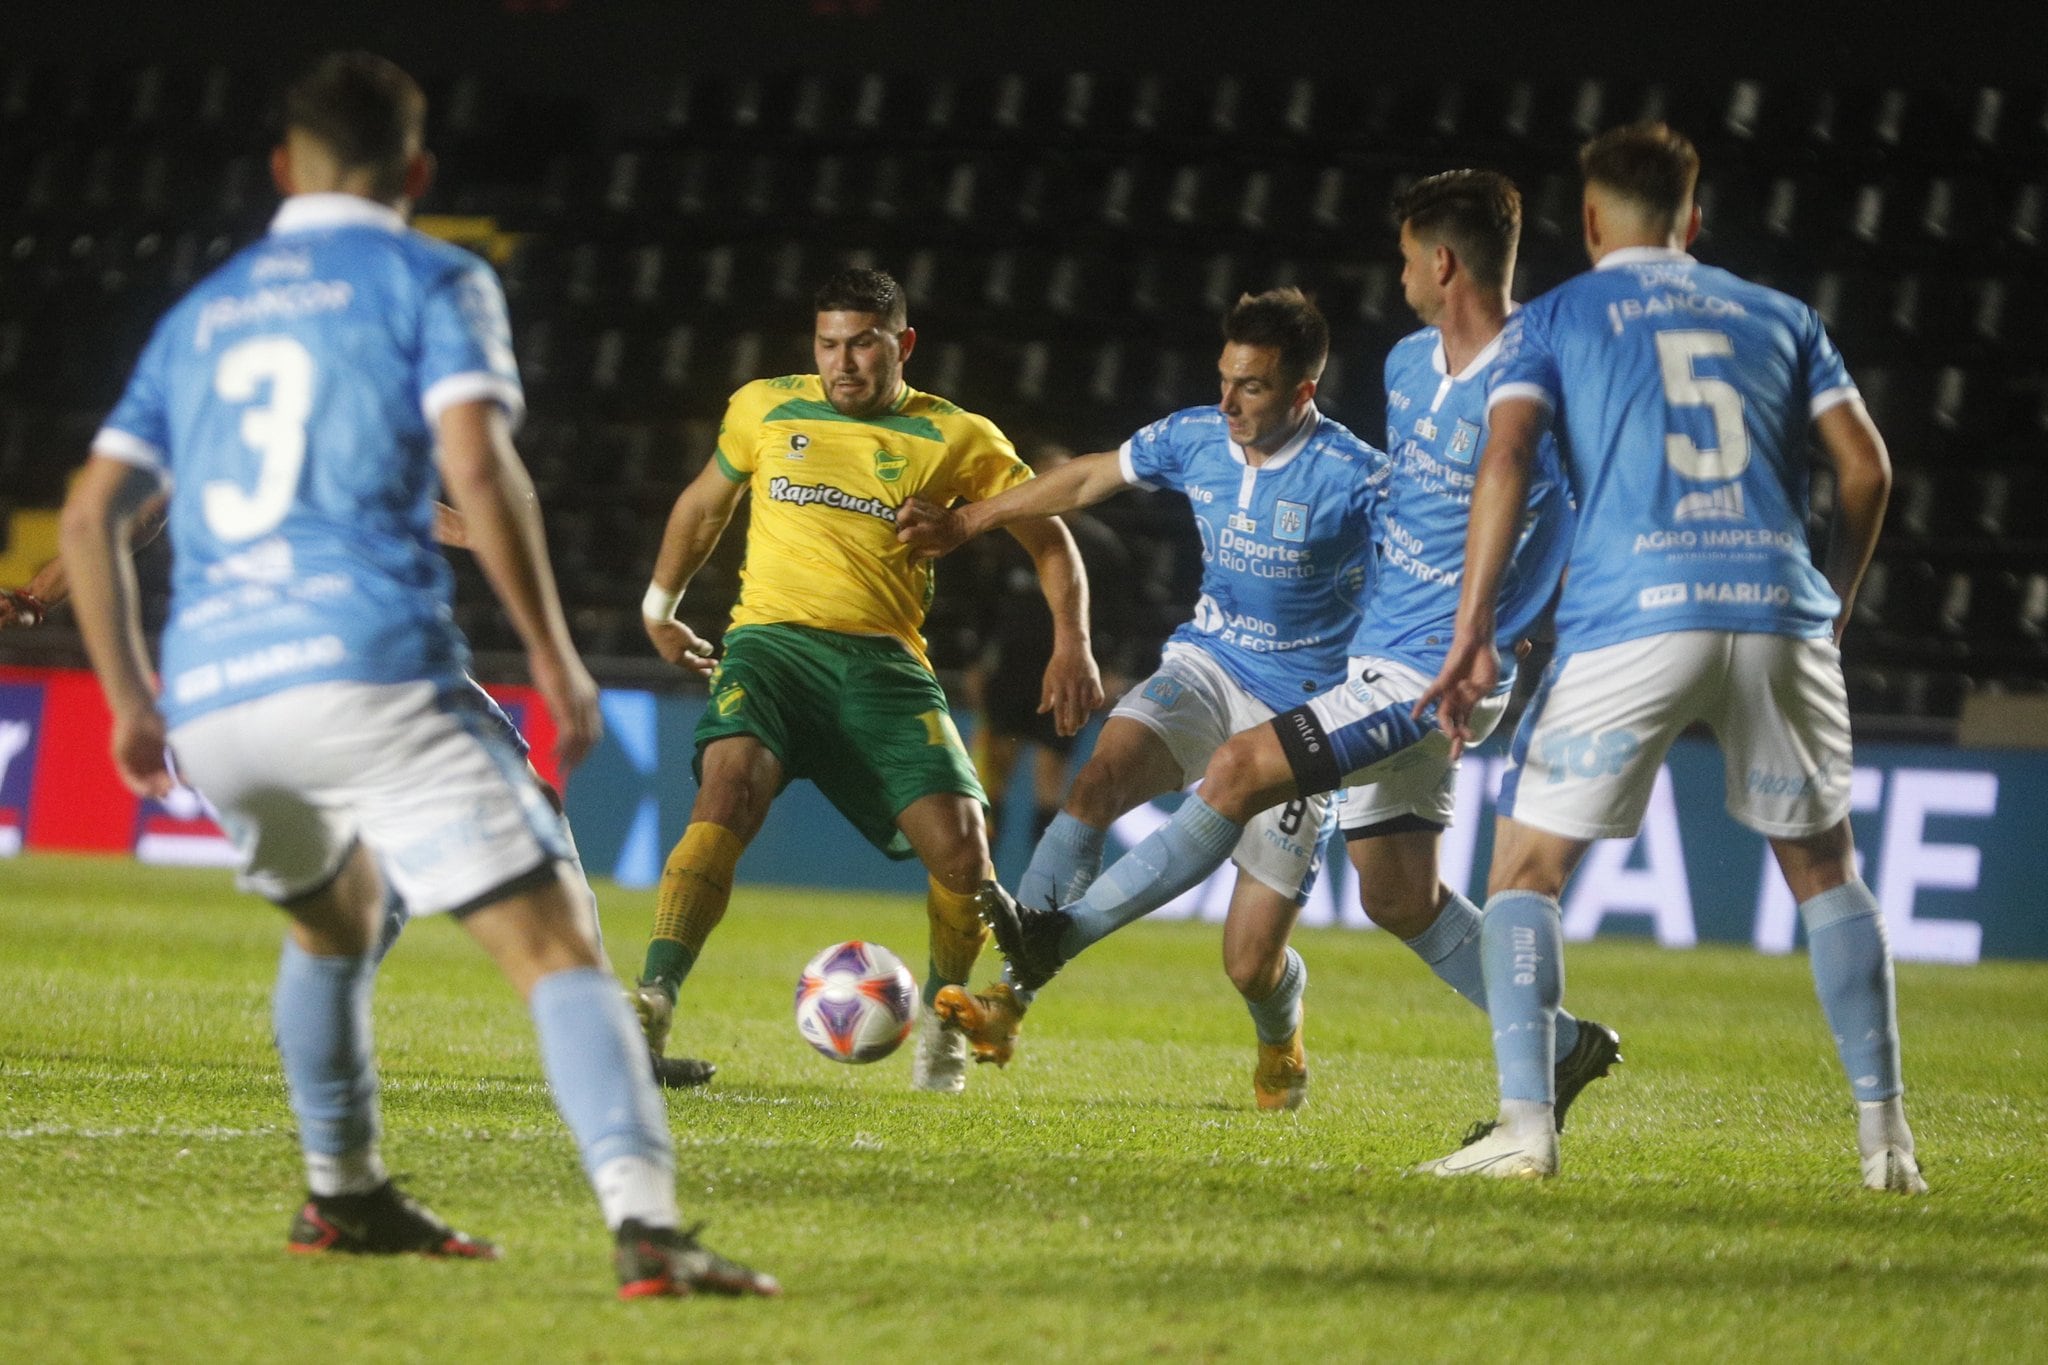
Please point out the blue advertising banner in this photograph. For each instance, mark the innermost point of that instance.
(1948, 839)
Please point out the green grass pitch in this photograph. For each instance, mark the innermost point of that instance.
(1111, 1196)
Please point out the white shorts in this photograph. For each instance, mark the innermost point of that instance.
(1194, 706)
(1420, 780)
(1595, 734)
(422, 777)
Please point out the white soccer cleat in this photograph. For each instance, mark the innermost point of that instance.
(656, 1012)
(1892, 1168)
(1500, 1155)
(940, 1061)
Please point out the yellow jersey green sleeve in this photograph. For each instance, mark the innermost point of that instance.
(739, 429)
(987, 462)
(821, 540)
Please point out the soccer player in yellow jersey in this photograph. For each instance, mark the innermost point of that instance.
(824, 675)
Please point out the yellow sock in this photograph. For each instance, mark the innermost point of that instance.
(696, 884)
(957, 936)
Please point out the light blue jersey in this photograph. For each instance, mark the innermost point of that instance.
(1286, 546)
(1436, 427)
(1681, 396)
(289, 400)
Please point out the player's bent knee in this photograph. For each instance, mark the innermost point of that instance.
(733, 802)
(1232, 779)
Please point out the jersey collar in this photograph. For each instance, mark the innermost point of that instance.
(1310, 420)
(1477, 364)
(1643, 255)
(315, 212)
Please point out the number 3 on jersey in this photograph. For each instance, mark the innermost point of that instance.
(1729, 455)
(279, 370)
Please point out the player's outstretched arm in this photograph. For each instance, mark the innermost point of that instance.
(1499, 493)
(501, 516)
(93, 537)
(1072, 688)
(698, 520)
(51, 585)
(1863, 485)
(930, 530)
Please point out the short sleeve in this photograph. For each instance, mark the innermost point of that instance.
(987, 462)
(739, 435)
(1153, 458)
(138, 430)
(1526, 367)
(466, 345)
(1827, 377)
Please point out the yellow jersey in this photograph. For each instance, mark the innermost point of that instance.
(821, 545)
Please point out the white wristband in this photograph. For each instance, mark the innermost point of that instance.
(659, 604)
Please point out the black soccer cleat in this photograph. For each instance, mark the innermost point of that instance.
(681, 1073)
(1030, 939)
(663, 1263)
(383, 1222)
(1597, 1052)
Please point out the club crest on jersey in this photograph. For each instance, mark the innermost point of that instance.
(798, 443)
(889, 466)
(1464, 441)
(1243, 524)
(1290, 521)
(1164, 690)
(730, 700)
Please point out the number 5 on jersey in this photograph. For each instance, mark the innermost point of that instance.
(1729, 455)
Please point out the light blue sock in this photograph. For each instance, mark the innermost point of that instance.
(1174, 857)
(596, 1063)
(1521, 945)
(1852, 973)
(1451, 948)
(1279, 1014)
(320, 1018)
(1024, 997)
(1063, 865)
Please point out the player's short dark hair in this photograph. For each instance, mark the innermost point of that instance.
(1478, 214)
(365, 110)
(1652, 165)
(1286, 320)
(860, 289)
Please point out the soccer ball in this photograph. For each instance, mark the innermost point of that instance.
(855, 1002)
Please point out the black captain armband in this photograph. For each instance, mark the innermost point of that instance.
(1310, 755)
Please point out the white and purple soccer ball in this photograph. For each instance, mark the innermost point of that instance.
(855, 1002)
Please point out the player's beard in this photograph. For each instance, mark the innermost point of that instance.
(865, 401)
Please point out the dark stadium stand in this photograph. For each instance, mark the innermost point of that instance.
(1068, 240)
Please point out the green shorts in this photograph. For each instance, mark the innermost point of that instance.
(855, 714)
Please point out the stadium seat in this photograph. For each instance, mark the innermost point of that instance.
(2016, 504)
(1871, 691)
(2030, 620)
(1933, 693)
